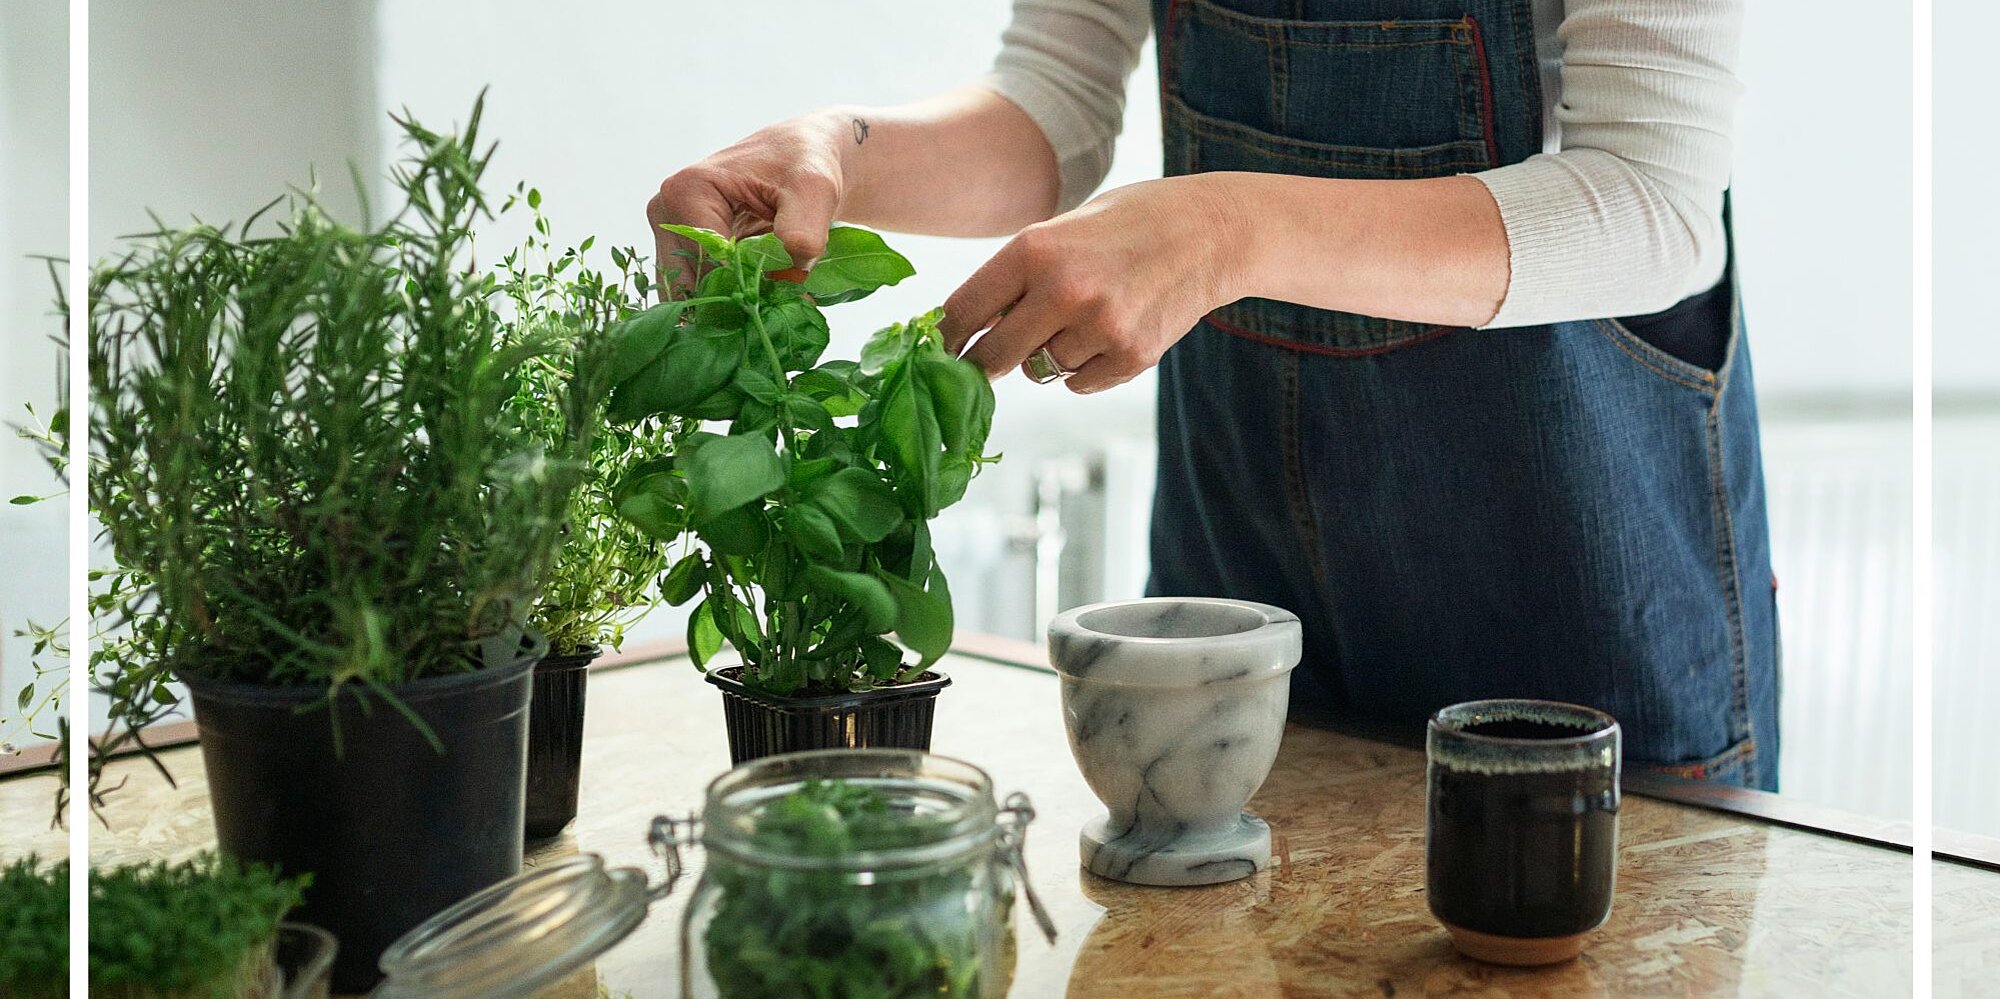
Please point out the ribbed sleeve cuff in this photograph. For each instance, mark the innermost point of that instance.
(1587, 238)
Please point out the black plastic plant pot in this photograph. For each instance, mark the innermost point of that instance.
(555, 740)
(391, 829)
(762, 724)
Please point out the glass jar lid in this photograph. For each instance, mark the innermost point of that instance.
(520, 936)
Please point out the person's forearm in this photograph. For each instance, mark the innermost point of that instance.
(1427, 251)
(965, 163)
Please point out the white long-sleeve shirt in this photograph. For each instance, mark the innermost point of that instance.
(1619, 215)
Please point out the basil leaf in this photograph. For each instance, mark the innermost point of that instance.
(889, 345)
(832, 384)
(723, 405)
(805, 414)
(813, 532)
(730, 471)
(805, 472)
(955, 474)
(703, 637)
(883, 658)
(684, 580)
(861, 505)
(697, 361)
(712, 243)
(962, 398)
(655, 503)
(639, 339)
(866, 594)
(763, 252)
(758, 384)
(797, 328)
(923, 616)
(744, 530)
(855, 263)
(907, 423)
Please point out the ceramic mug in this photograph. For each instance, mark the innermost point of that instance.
(1521, 842)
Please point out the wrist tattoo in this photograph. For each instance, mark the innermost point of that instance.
(860, 131)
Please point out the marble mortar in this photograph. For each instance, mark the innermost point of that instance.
(1175, 707)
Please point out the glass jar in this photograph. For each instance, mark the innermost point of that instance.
(846, 872)
(896, 882)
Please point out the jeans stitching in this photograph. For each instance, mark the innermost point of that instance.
(1484, 102)
(1450, 155)
(1303, 521)
(1528, 68)
(1729, 575)
(1281, 78)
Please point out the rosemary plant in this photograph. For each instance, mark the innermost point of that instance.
(38, 708)
(309, 465)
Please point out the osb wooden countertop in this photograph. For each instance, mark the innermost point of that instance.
(1708, 903)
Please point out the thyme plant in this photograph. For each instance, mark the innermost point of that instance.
(805, 527)
(309, 467)
(602, 578)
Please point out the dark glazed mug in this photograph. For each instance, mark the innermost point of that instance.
(1522, 838)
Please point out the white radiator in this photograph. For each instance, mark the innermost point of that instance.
(1966, 682)
(1839, 487)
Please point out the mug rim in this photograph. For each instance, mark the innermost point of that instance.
(1606, 726)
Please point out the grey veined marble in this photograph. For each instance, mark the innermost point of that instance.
(1175, 706)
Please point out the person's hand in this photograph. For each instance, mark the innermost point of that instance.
(1106, 288)
(787, 179)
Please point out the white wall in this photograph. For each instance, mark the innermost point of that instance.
(34, 219)
(1822, 197)
(1966, 257)
(210, 108)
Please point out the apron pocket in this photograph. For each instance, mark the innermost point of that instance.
(1694, 331)
(1376, 85)
(1390, 98)
(1218, 144)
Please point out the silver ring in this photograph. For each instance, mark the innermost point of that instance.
(1043, 367)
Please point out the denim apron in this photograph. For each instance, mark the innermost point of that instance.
(1572, 511)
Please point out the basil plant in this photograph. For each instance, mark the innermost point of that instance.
(798, 491)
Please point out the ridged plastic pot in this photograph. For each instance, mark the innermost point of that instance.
(391, 828)
(555, 740)
(762, 724)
